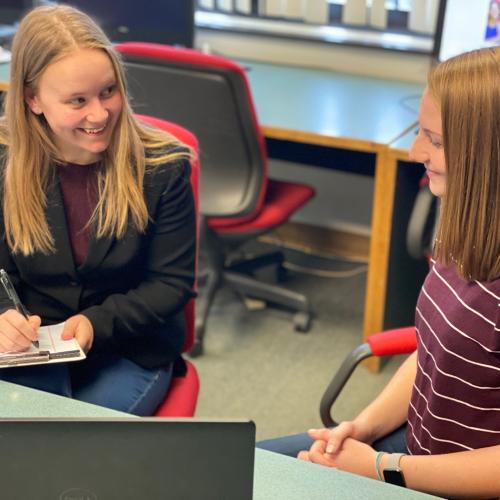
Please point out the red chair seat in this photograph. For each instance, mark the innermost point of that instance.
(281, 200)
(182, 395)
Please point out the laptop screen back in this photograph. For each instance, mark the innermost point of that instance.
(136, 459)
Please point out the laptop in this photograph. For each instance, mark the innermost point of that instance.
(126, 459)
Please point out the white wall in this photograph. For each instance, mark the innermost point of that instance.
(357, 60)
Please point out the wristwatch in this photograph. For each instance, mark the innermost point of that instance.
(392, 472)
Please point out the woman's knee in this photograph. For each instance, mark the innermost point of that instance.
(122, 385)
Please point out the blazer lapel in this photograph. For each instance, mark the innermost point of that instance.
(98, 248)
(62, 259)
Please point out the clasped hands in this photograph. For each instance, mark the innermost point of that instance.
(17, 333)
(341, 448)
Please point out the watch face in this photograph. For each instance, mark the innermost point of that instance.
(394, 477)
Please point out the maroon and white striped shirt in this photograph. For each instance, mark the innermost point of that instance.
(455, 403)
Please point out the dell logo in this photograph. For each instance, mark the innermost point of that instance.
(77, 494)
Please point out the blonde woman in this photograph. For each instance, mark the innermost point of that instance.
(97, 222)
(439, 417)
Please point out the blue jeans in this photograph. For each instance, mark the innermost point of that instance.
(395, 442)
(102, 379)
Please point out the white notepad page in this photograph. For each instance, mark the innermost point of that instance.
(49, 340)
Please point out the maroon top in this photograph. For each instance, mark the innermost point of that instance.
(455, 403)
(79, 191)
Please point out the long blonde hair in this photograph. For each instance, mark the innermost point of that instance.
(467, 90)
(46, 35)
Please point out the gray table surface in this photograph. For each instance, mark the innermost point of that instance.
(4, 71)
(331, 103)
(276, 477)
(404, 142)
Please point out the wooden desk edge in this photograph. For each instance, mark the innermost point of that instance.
(397, 154)
(285, 134)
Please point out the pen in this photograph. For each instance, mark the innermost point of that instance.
(12, 294)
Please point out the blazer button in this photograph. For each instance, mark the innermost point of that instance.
(74, 283)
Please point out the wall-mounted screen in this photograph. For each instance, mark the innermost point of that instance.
(11, 11)
(465, 25)
(162, 21)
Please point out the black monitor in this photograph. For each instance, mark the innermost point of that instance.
(464, 25)
(162, 21)
(11, 11)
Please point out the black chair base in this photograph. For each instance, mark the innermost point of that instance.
(248, 286)
(236, 270)
(246, 264)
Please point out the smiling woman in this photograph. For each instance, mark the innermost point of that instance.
(97, 225)
(81, 103)
(435, 427)
(428, 146)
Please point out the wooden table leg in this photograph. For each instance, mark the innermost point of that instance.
(376, 287)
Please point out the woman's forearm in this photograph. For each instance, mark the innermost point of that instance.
(466, 474)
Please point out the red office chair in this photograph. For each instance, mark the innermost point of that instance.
(387, 343)
(182, 395)
(210, 95)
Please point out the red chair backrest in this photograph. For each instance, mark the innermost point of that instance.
(187, 138)
(211, 96)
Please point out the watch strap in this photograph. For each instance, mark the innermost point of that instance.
(378, 458)
(393, 461)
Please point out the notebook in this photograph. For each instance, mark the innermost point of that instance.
(127, 459)
(51, 349)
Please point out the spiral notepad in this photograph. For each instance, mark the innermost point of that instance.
(51, 349)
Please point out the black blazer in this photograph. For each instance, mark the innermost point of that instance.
(133, 289)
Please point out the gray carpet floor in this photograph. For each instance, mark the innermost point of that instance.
(256, 366)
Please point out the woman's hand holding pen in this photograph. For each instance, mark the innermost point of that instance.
(16, 332)
(79, 327)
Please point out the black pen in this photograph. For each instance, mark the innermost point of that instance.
(12, 294)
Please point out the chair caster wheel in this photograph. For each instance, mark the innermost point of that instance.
(302, 322)
(196, 350)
